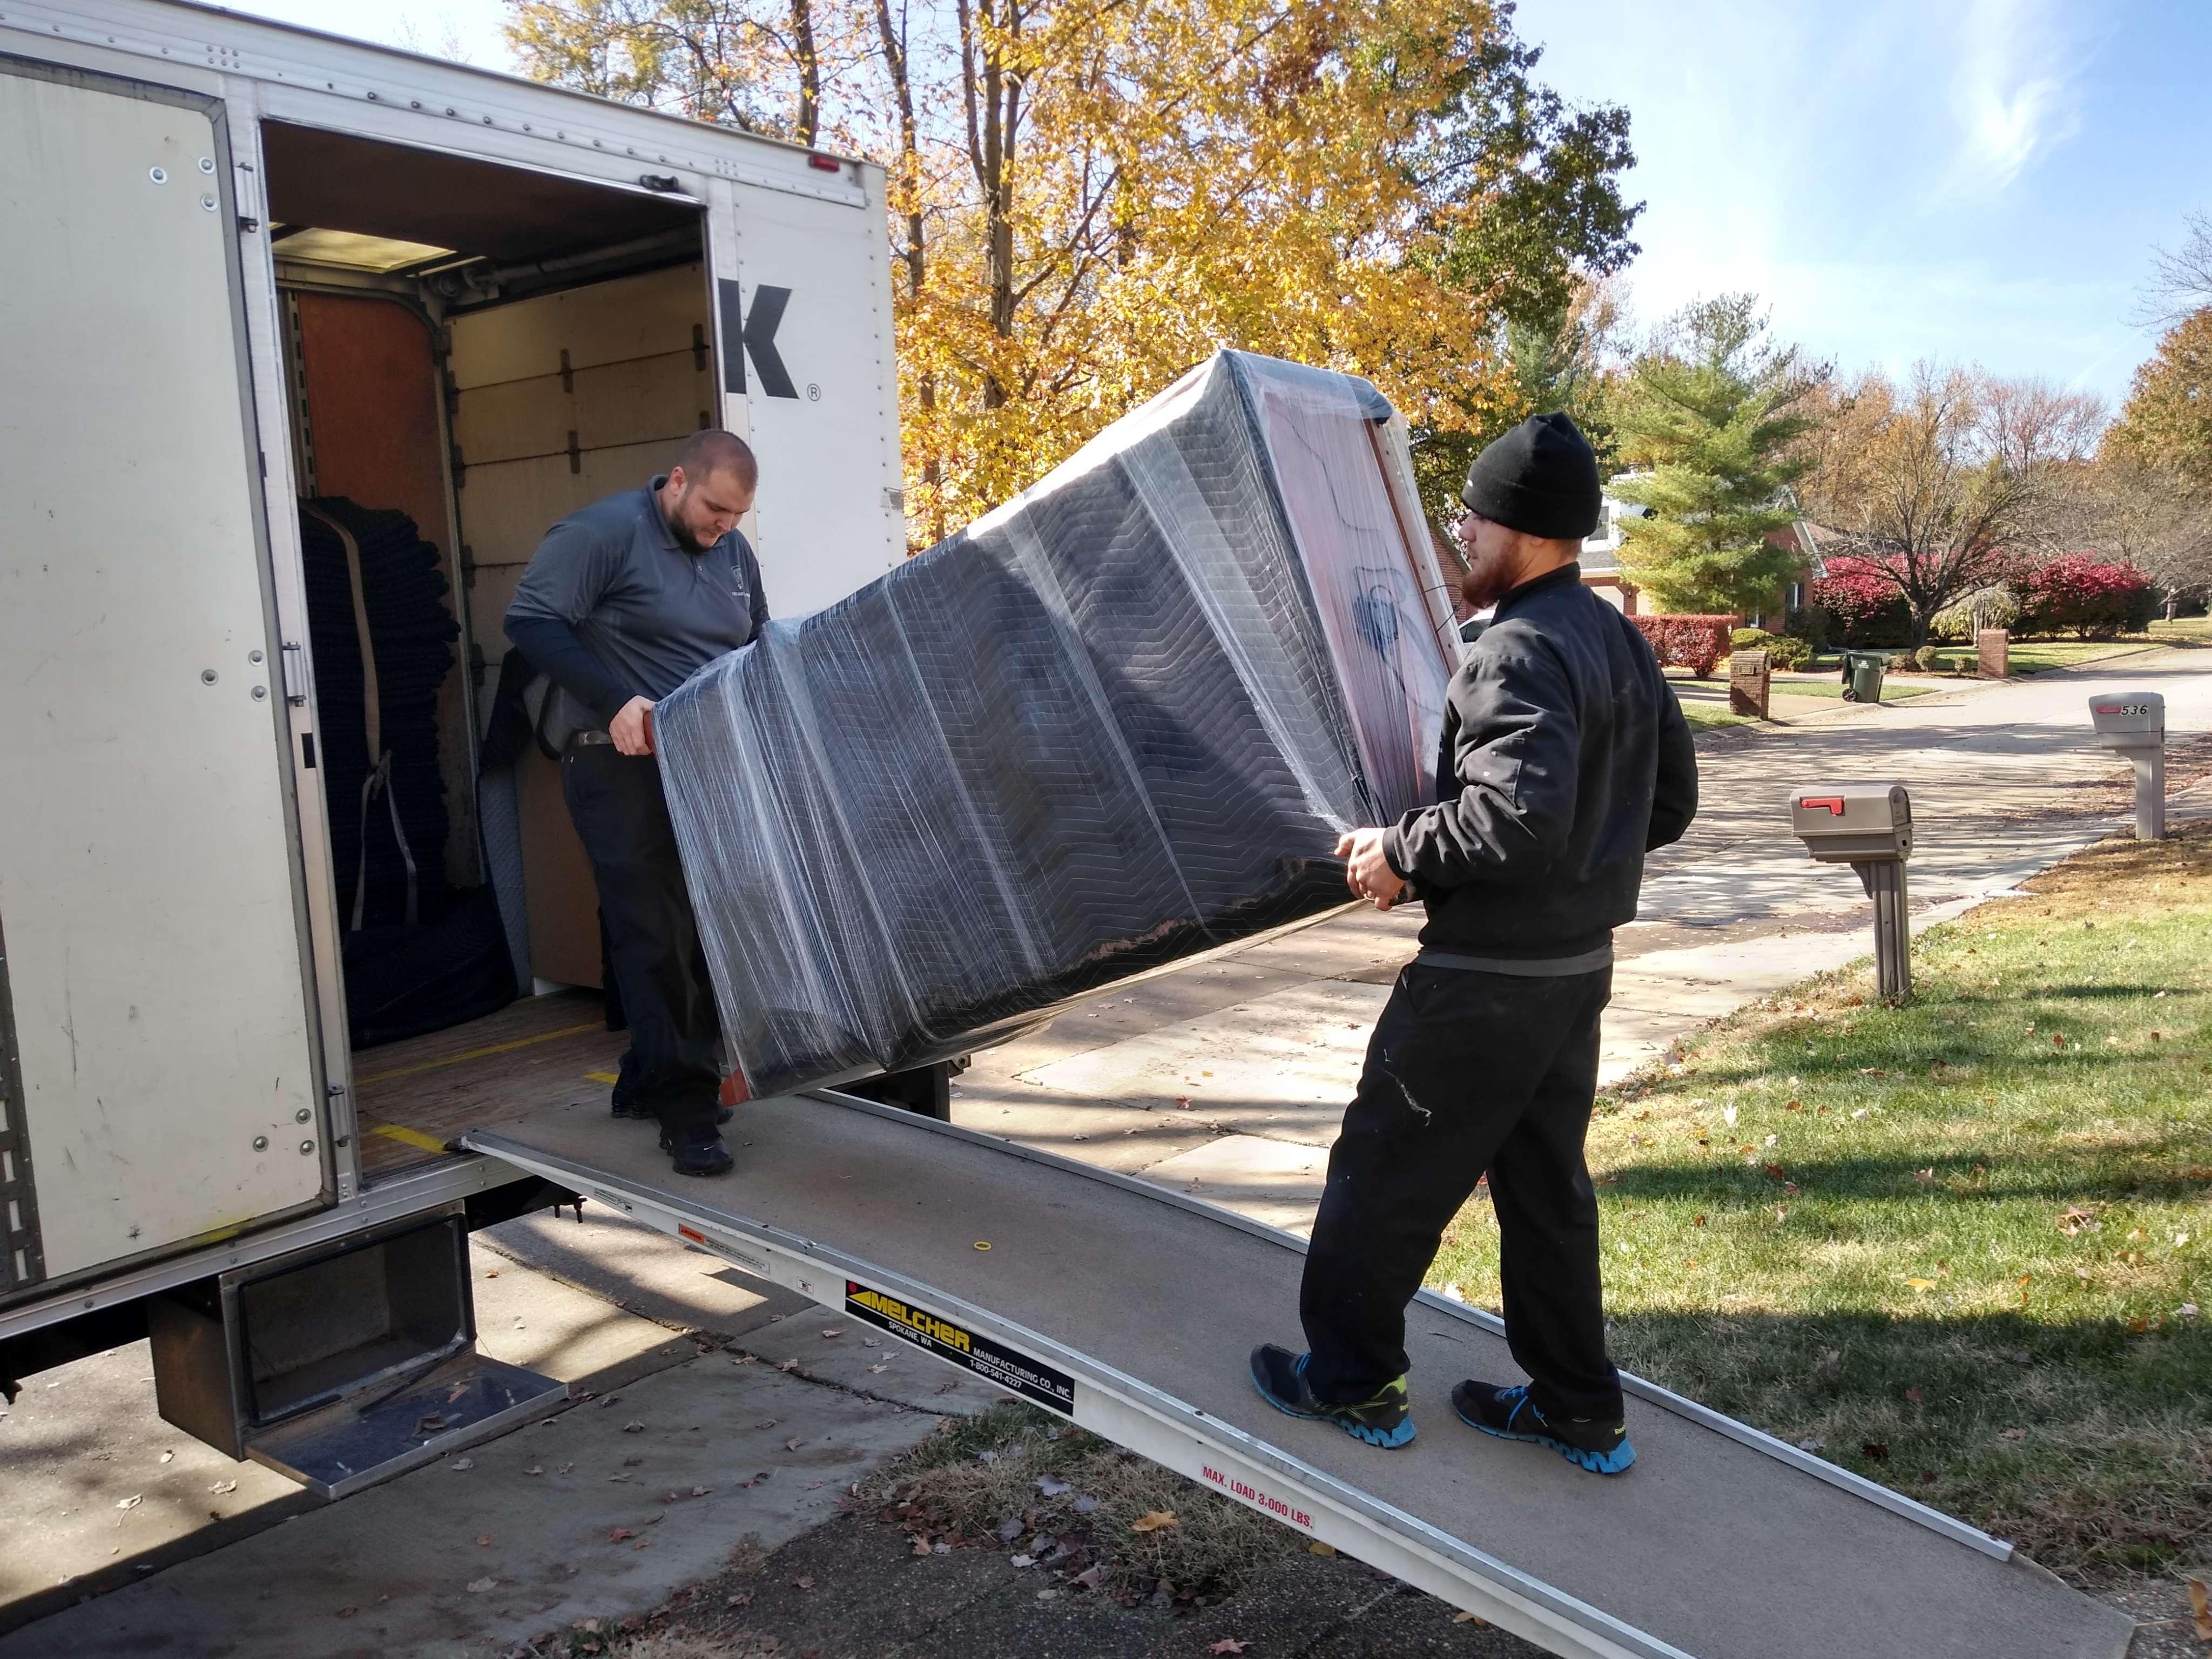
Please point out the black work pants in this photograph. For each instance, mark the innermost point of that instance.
(1468, 1074)
(672, 1067)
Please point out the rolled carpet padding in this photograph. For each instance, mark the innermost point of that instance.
(1113, 725)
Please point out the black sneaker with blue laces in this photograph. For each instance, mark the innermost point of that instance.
(1599, 1446)
(1381, 1420)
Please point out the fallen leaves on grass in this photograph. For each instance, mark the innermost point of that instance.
(2200, 1604)
(2076, 1221)
(1877, 1449)
(1152, 1520)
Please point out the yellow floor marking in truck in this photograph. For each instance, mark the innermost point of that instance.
(479, 1053)
(601, 1077)
(408, 1137)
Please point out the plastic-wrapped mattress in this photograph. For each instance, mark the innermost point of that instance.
(1116, 723)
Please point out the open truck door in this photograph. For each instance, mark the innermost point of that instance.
(160, 1085)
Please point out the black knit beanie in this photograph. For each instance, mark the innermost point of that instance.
(1541, 479)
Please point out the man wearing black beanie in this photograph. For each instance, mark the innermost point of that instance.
(1566, 758)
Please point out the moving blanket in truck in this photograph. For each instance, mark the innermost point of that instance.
(1115, 723)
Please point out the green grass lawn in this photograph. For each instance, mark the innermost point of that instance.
(1824, 686)
(1831, 685)
(2184, 631)
(1701, 715)
(2034, 656)
(1955, 1246)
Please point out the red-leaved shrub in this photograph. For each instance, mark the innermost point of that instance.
(1862, 605)
(1696, 643)
(2078, 594)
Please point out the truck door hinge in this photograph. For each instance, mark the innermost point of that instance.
(295, 679)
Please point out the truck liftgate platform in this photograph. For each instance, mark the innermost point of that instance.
(1130, 1310)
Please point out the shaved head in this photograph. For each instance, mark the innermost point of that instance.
(713, 451)
(710, 487)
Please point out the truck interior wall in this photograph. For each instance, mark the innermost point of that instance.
(556, 401)
(370, 428)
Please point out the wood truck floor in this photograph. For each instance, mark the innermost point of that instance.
(412, 1098)
(1709, 1544)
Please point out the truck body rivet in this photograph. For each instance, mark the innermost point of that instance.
(159, 175)
(206, 164)
(301, 1115)
(208, 676)
(253, 656)
(305, 1147)
(259, 692)
(261, 1142)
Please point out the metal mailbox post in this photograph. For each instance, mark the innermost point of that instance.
(1868, 826)
(2133, 723)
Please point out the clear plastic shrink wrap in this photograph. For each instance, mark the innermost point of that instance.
(1120, 721)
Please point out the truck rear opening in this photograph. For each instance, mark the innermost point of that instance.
(474, 350)
(309, 342)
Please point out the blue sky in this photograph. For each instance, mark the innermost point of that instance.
(1964, 180)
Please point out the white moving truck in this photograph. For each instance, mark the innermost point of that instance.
(282, 312)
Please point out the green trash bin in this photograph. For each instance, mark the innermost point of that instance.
(1863, 676)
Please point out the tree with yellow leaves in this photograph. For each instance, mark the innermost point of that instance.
(1089, 196)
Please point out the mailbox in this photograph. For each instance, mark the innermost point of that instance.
(1854, 823)
(2129, 719)
(1868, 826)
(2134, 724)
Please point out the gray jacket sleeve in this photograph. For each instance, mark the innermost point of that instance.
(567, 576)
(1515, 753)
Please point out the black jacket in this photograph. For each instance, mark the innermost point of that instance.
(1566, 758)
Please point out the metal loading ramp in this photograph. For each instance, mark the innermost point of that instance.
(1131, 1310)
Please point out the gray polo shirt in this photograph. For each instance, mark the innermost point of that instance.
(613, 607)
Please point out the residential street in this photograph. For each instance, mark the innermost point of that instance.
(1226, 1079)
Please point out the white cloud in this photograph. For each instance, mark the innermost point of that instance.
(2014, 94)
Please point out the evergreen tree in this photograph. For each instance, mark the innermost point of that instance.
(1707, 421)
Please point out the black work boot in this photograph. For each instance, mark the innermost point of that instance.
(697, 1150)
(1600, 1445)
